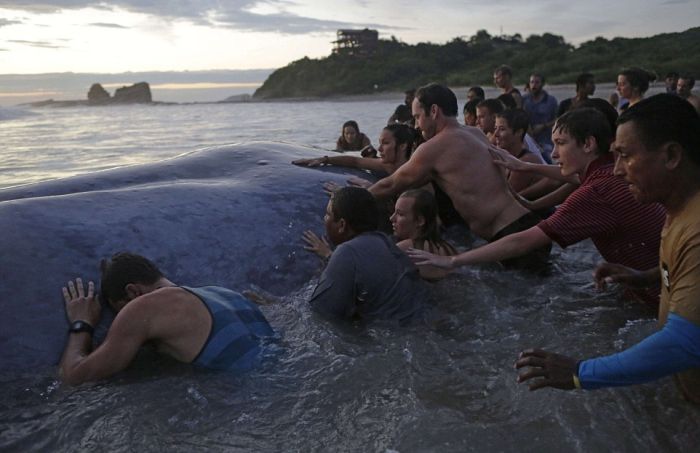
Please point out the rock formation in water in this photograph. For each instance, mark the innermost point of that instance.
(137, 93)
(97, 94)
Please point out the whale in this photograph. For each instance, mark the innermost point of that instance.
(229, 215)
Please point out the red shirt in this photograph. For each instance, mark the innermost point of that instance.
(623, 230)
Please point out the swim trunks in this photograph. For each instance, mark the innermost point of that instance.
(236, 332)
(537, 259)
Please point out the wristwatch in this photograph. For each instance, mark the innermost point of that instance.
(81, 326)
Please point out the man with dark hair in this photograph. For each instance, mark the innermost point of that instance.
(502, 78)
(686, 82)
(511, 127)
(397, 116)
(210, 326)
(602, 208)
(367, 276)
(486, 112)
(457, 159)
(542, 108)
(658, 155)
(475, 93)
(585, 87)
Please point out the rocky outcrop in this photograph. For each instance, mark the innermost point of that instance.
(137, 93)
(97, 94)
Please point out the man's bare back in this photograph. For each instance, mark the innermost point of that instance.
(458, 160)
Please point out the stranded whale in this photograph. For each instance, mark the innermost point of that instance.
(229, 216)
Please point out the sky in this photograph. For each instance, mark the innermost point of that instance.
(114, 36)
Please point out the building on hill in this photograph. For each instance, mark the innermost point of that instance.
(356, 42)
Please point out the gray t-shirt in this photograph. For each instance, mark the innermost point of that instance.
(368, 278)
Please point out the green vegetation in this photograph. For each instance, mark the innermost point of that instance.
(397, 66)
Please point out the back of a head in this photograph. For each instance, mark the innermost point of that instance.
(403, 134)
(583, 79)
(440, 95)
(603, 107)
(638, 78)
(517, 119)
(582, 123)
(478, 92)
(665, 118)
(470, 106)
(424, 205)
(493, 105)
(403, 113)
(357, 206)
(507, 100)
(124, 268)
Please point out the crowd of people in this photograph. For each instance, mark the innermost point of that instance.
(521, 172)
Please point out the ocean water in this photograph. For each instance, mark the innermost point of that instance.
(325, 387)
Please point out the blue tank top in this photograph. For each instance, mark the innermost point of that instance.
(236, 331)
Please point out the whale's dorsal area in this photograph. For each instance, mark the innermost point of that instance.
(229, 215)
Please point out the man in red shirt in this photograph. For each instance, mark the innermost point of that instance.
(623, 230)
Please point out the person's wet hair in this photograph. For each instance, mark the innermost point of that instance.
(402, 113)
(440, 95)
(504, 70)
(352, 124)
(507, 100)
(583, 79)
(638, 78)
(403, 134)
(582, 123)
(424, 205)
(494, 105)
(688, 78)
(603, 107)
(357, 206)
(665, 118)
(124, 268)
(470, 106)
(478, 91)
(517, 119)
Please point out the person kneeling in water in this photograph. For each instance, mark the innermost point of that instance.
(210, 326)
(367, 276)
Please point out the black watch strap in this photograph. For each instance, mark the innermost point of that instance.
(81, 326)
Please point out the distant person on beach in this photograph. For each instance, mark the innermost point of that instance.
(415, 225)
(475, 93)
(511, 127)
(658, 155)
(351, 139)
(469, 112)
(502, 78)
(671, 82)
(367, 277)
(585, 87)
(457, 159)
(686, 82)
(632, 83)
(542, 108)
(210, 326)
(602, 209)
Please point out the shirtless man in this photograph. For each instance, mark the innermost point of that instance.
(457, 159)
(685, 90)
(210, 326)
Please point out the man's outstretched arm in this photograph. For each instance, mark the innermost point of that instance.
(413, 174)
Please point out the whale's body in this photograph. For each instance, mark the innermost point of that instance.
(230, 216)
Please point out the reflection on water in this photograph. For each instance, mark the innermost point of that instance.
(335, 387)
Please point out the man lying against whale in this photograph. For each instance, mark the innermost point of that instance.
(210, 326)
(457, 159)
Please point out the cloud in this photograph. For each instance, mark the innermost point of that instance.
(42, 44)
(106, 25)
(236, 14)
